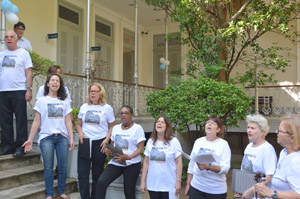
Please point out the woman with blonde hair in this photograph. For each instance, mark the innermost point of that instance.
(94, 126)
(286, 180)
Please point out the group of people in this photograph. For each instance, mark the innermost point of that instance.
(162, 163)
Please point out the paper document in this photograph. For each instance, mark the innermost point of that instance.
(115, 151)
(184, 154)
(205, 158)
(241, 180)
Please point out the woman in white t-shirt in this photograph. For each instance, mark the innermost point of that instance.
(52, 115)
(129, 137)
(259, 155)
(162, 166)
(208, 180)
(286, 180)
(94, 126)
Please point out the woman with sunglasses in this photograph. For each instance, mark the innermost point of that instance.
(94, 126)
(259, 155)
(208, 181)
(286, 179)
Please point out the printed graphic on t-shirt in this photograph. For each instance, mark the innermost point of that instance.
(121, 141)
(92, 117)
(55, 110)
(206, 150)
(247, 163)
(8, 61)
(158, 154)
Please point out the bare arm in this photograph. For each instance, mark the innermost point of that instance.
(144, 174)
(69, 126)
(34, 128)
(249, 193)
(188, 183)
(79, 130)
(266, 192)
(178, 162)
(28, 74)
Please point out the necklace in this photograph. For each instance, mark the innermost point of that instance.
(127, 127)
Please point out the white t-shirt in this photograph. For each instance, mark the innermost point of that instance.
(40, 93)
(53, 112)
(24, 43)
(261, 159)
(128, 141)
(287, 174)
(12, 69)
(95, 120)
(205, 180)
(162, 170)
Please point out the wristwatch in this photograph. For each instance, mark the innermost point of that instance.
(274, 195)
(28, 87)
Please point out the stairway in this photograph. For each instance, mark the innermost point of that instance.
(23, 178)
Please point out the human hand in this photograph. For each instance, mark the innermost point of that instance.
(186, 191)
(248, 194)
(71, 145)
(203, 166)
(237, 195)
(103, 145)
(120, 158)
(27, 146)
(143, 187)
(263, 191)
(177, 187)
(28, 95)
(80, 137)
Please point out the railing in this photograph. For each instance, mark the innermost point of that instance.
(117, 93)
(277, 100)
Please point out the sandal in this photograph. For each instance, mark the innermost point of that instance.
(63, 196)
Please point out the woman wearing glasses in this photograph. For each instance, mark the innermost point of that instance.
(129, 137)
(259, 155)
(162, 164)
(286, 180)
(208, 180)
(94, 126)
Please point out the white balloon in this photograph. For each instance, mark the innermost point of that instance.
(162, 60)
(167, 62)
(11, 17)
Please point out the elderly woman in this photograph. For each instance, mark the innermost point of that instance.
(94, 126)
(286, 180)
(130, 137)
(162, 162)
(52, 113)
(208, 181)
(259, 155)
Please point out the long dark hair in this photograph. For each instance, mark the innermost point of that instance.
(168, 132)
(61, 93)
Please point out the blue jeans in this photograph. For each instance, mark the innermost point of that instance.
(47, 146)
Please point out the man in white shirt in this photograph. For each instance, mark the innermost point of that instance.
(15, 91)
(19, 29)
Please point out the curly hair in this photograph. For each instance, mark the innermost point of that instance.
(61, 93)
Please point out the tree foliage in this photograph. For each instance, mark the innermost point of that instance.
(189, 103)
(222, 35)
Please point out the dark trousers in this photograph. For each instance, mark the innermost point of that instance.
(196, 194)
(13, 102)
(84, 164)
(112, 172)
(158, 195)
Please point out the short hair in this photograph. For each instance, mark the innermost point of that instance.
(102, 99)
(216, 120)
(61, 93)
(53, 68)
(19, 24)
(129, 107)
(260, 120)
(168, 133)
(292, 126)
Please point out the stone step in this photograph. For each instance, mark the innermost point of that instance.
(10, 178)
(10, 162)
(36, 190)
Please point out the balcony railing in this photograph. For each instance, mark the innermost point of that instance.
(117, 93)
(277, 100)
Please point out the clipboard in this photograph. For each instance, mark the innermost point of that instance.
(115, 151)
(84, 149)
(241, 180)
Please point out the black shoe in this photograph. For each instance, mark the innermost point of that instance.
(18, 154)
(6, 152)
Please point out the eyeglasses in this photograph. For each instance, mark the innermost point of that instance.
(124, 113)
(279, 131)
(94, 91)
(211, 122)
